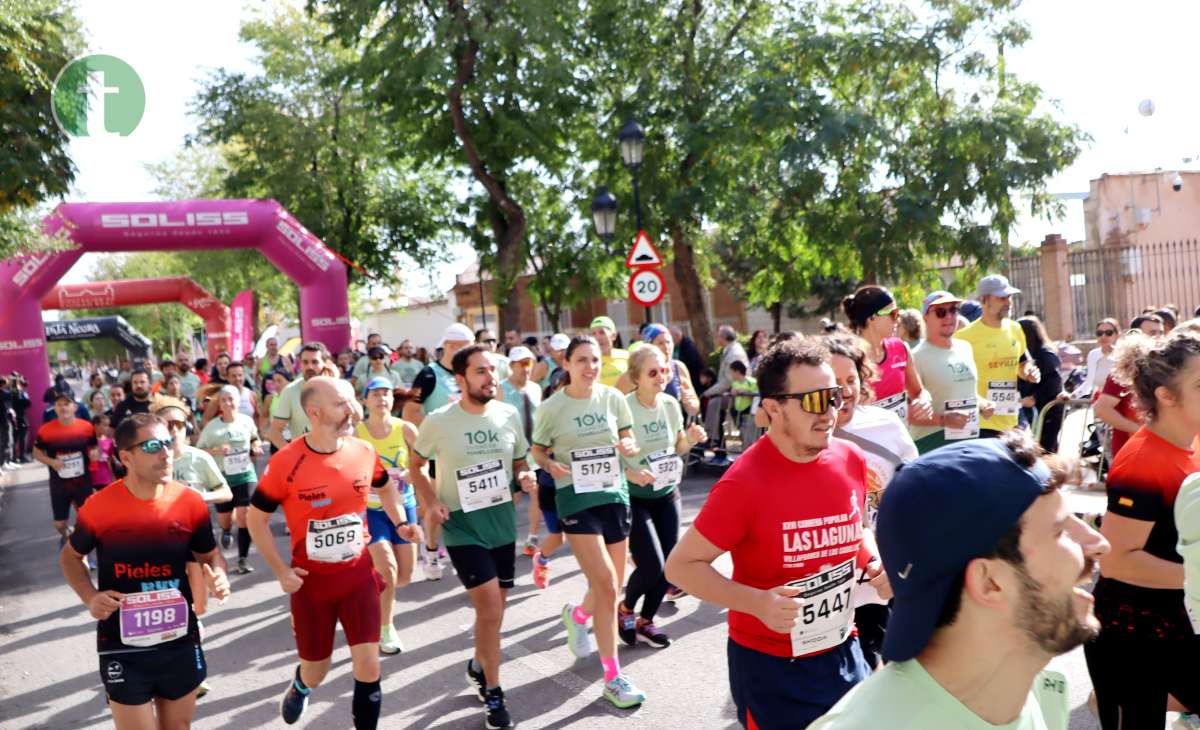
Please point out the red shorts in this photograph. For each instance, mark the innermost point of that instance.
(350, 596)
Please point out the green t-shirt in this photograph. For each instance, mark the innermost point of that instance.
(188, 384)
(445, 388)
(367, 374)
(949, 374)
(656, 430)
(902, 696)
(512, 396)
(237, 434)
(463, 445)
(198, 469)
(742, 403)
(564, 424)
(407, 370)
(286, 405)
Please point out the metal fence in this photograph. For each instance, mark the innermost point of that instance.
(1025, 273)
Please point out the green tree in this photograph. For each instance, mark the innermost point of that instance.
(303, 132)
(37, 38)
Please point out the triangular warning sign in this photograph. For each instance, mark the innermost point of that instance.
(644, 253)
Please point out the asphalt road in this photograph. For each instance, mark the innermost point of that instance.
(49, 671)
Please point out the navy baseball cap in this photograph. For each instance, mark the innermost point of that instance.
(939, 513)
(971, 309)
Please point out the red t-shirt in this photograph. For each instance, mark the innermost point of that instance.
(320, 487)
(781, 521)
(71, 442)
(142, 545)
(1125, 407)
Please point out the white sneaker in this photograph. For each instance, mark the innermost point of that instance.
(431, 564)
(579, 639)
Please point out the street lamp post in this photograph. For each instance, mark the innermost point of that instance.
(604, 214)
(633, 147)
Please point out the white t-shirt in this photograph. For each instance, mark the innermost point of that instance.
(1099, 366)
(883, 427)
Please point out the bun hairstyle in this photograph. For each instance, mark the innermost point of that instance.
(864, 304)
(1146, 363)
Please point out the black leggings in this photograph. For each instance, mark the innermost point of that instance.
(652, 536)
(1132, 677)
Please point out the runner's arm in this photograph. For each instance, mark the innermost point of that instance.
(1106, 410)
(412, 413)
(689, 566)
(625, 383)
(1128, 560)
(539, 372)
(220, 495)
(275, 432)
(76, 573)
(260, 532)
(213, 559)
(687, 392)
(40, 456)
(419, 477)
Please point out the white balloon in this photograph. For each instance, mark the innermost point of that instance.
(1146, 108)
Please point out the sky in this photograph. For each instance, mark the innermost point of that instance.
(1097, 58)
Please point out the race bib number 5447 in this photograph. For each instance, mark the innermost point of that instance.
(827, 615)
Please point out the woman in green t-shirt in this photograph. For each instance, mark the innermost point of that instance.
(232, 437)
(587, 427)
(654, 478)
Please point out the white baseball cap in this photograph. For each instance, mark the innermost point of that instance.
(560, 342)
(520, 352)
(458, 332)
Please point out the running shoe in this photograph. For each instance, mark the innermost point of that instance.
(243, 567)
(442, 553)
(626, 625)
(389, 641)
(203, 690)
(531, 546)
(431, 564)
(541, 571)
(294, 704)
(497, 713)
(226, 539)
(478, 681)
(578, 639)
(650, 634)
(621, 692)
(1187, 721)
(674, 594)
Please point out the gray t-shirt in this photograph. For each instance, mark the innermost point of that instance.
(948, 373)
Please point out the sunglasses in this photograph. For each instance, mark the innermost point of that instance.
(890, 311)
(653, 372)
(943, 312)
(377, 357)
(153, 446)
(1105, 333)
(817, 402)
(490, 341)
(173, 425)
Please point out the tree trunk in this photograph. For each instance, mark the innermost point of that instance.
(777, 316)
(690, 288)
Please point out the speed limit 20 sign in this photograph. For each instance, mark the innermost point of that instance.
(646, 287)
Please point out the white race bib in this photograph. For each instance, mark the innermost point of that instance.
(969, 407)
(595, 470)
(1004, 394)
(483, 485)
(237, 461)
(897, 404)
(827, 615)
(335, 540)
(666, 467)
(153, 617)
(72, 465)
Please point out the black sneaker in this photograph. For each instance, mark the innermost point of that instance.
(226, 539)
(293, 705)
(497, 713)
(626, 626)
(650, 634)
(478, 681)
(244, 567)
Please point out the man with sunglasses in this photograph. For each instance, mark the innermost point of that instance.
(359, 373)
(790, 513)
(377, 367)
(1001, 357)
(947, 368)
(145, 528)
(491, 345)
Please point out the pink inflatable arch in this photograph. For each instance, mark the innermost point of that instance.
(100, 294)
(180, 225)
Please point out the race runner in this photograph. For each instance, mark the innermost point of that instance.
(288, 419)
(654, 500)
(145, 528)
(487, 339)
(540, 565)
(790, 513)
(613, 360)
(480, 448)
(322, 480)
(520, 392)
(138, 400)
(897, 386)
(545, 371)
(392, 555)
(1147, 646)
(946, 365)
(232, 438)
(406, 366)
(435, 387)
(679, 382)
(580, 435)
(885, 442)
(65, 445)
(1001, 357)
(984, 602)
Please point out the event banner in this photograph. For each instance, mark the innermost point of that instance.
(241, 325)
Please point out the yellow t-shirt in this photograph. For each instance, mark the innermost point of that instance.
(613, 366)
(998, 352)
(393, 452)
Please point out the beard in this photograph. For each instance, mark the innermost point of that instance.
(480, 397)
(1051, 622)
